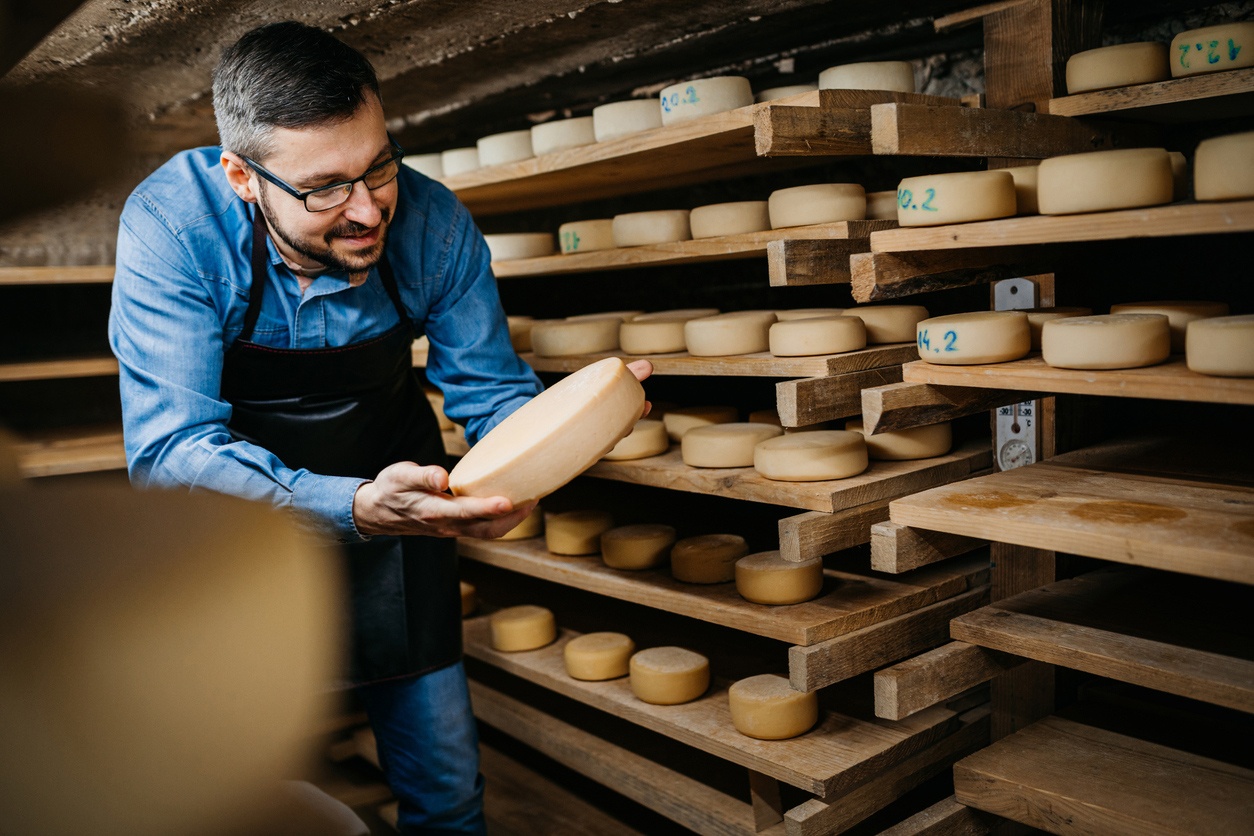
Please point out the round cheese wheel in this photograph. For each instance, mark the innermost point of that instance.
(565, 338)
(1025, 177)
(562, 135)
(821, 203)
(681, 314)
(767, 578)
(647, 438)
(807, 313)
(657, 336)
(520, 332)
(725, 445)
(704, 96)
(906, 445)
(956, 197)
(1223, 166)
(889, 323)
(669, 675)
(968, 339)
(507, 147)
(1223, 346)
(525, 627)
(1101, 181)
(869, 75)
(1210, 49)
(1120, 341)
(709, 558)
(767, 707)
(728, 334)
(436, 399)
(1037, 317)
(639, 229)
(576, 532)
(595, 657)
(811, 456)
(1179, 176)
(819, 335)
(618, 119)
(429, 164)
(618, 316)
(1120, 65)
(729, 219)
(531, 526)
(586, 236)
(1179, 315)
(765, 416)
(469, 601)
(513, 245)
(881, 206)
(770, 94)
(637, 547)
(456, 161)
(680, 420)
(554, 437)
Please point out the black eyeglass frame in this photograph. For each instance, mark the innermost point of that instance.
(303, 196)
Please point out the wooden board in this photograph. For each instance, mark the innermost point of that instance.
(762, 364)
(899, 406)
(1223, 94)
(78, 450)
(945, 818)
(813, 400)
(933, 677)
(58, 369)
(813, 262)
(78, 274)
(815, 534)
(877, 277)
(898, 548)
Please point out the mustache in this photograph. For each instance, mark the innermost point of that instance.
(352, 229)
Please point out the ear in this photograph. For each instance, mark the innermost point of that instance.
(240, 176)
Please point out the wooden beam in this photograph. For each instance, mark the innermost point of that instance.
(812, 400)
(804, 263)
(945, 818)
(810, 131)
(764, 797)
(876, 276)
(898, 548)
(933, 677)
(79, 274)
(815, 534)
(1224, 92)
(1027, 44)
(900, 406)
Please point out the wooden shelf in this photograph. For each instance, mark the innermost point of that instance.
(1200, 97)
(90, 274)
(58, 369)
(78, 450)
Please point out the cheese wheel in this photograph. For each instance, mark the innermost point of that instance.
(881, 206)
(819, 335)
(704, 96)
(586, 236)
(618, 119)
(889, 323)
(576, 532)
(639, 229)
(647, 438)
(562, 135)
(668, 675)
(1179, 176)
(729, 334)
(1037, 317)
(968, 339)
(525, 627)
(906, 445)
(767, 707)
(618, 316)
(821, 203)
(595, 657)
(725, 445)
(554, 437)
(1121, 341)
(955, 198)
(657, 336)
(869, 75)
(514, 245)
(1210, 49)
(729, 218)
(1223, 166)
(1120, 65)
(1101, 181)
(456, 161)
(811, 456)
(1179, 315)
(770, 94)
(681, 314)
(428, 164)
(679, 421)
(1025, 177)
(565, 338)
(520, 332)
(531, 526)
(1223, 346)
(767, 578)
(636, 547)
(709, 558)
(507, 147)
(765, 416)
(807, 313)
(469, 601)
(436, 399)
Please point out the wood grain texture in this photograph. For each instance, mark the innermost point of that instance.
(900, 406)
(921, 130)
(878, 276)
(1156, 100)
(81, 274)
(945, 818)
(58, 369)
(805, 131)
(815, 534)
(898, 548)
(933, 677)
(77, 450)
(761, 364)
(804, 263)
(813, 400)
(764, 796)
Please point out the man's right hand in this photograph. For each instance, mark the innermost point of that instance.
(407, 498)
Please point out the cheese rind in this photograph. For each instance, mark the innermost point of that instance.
(620, 316)
(1026, 178)
(682, 419)
(768, 578)
(908, 444)
(1120, 341)
(956, 197)
(1211, 49)
(456, 161)
(576, 533)
(869, 75)
(681, 314)
(770, 94)
(708, 558)
(729, 334)
(1222, 346)
(658, 336)
(820, 203)
(889, 323)
(1179, 315)
(818, 335)
(647, 438)
(567, 338)
(562, 135)
(596, 657)
(586, 236)
(1101, 181)
(640, 229)
(469, 601)
(881, 206)
(509, 246)
(525, 627)
(1223, 166)
(431, 165)
(637, 547)
(767, 707)
(704, 96)
(787, 315)
(1120, 65)
(669, 675)
(967, 339)
(736, 218)
(531, 526)
(618, 119)
(1037, 317)
(506, 147)
(725, 445)
(811, 456)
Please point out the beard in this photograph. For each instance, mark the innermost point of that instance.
(323, 251)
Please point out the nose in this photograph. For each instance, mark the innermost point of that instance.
(361, 206)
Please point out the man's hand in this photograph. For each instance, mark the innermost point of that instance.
(406, 498)
(642, 369)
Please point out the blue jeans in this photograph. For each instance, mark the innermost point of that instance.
(429, 750)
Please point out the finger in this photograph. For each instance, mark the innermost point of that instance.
(476, 508)
(648, 407)
(431, 477)
(641, 369)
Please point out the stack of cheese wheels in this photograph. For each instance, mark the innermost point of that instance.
(889, 323)
(767, 707)
(1179, 315)
(770, 94)
(647, 438)
(870, 75)
(1037, 317)
(811, 456)
(806, 313)
(572, 337)
(967, 339)
(668, 675)
(525, 627)
(507, 147)
(821, 203)
(817, 335)
(586, 236)
(1211, 49)
(469, 601)
(576, 533)
(1117, 341)
(1223, 346)
(881, 206)
(520, 332)
(431, 165)
(531, 526)
(641, 229)
(736, 218)
(725, 445)
(562, 135)
(1025, 177)
(1223, 167)
(436, 398)
(768, 578)
(619, 119)
(1120, 65)
(595, 657)
(659, 333)
(956, 197)
(680, 420)
(704, 96)
(508, 246)
(456, 161)
(636, 547)
(1101, 181)
(905, 445)
(708, 558)
(554, 437)
(729, 334)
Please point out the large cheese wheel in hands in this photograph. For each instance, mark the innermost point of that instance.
(553, 437)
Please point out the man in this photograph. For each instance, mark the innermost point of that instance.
(266, 297)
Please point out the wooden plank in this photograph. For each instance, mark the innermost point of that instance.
(804, 263)
(933, 677)
(898, 548)
(58, 369)
(841, 125)
(945, 818)
(813, 400)
(970, 17)
(762, 364)
(69, 274)
(1065, 778)
(922, 130)
(1155, 100)
(815, 534)
(899, 406)
(878, 276)
(66, 451)
(768, 807)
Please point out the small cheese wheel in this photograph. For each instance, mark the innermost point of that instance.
(1025, 177)
(729, 218)
(562, 135)
(889, 323)
(636, 547)
(1037, 317)
(681, 314)
(469, 601)
(586, 236)
(520, 332)
(619, 316)
(1210, 49)
(770, 94)
(729, 334)
(456, 161)
(869, 75)
(1223, 346)
(656, 336)
(708, 558)
(807, 313)
(531, 526)
(682, 419)
(955, 198)
(968, 339)
(767, 707)
(639, 229)
(525, 627)
(668, 675)
(618, 119)
(647, 438)
(576, 532)
(819, 335)
(906, 445)
(565, 338)
(1180, 175)
(596, 657)
(821, 203)
(513, 245)
(704, 96)
(1101, 181)
(881, 206)
(767, 578)
(811, 456)
(765, 416)
(725, 445)
(1223, 166)
(1179, 315)
(436, 398)
(1120, 341)
(507, 147)
(429, 164)
(1120, 65)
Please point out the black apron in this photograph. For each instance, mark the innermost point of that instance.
(352, 411)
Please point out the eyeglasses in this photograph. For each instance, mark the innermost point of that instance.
(328, 197)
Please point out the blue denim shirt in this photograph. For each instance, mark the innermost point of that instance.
(179, 296)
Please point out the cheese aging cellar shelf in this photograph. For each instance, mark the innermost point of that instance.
(1225, 95)
(90, 274)
(66, 451)
(58, 369)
